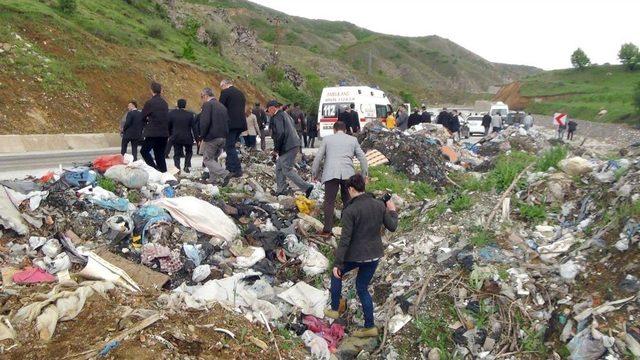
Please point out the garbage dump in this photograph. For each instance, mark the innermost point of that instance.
(525, 248)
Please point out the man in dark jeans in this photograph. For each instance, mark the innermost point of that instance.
(486, 123)
(337, 151)
(155, 114)
(234, 100)
(361, 248)
(132, 130)
(183, 130)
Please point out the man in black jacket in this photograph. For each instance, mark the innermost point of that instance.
(132, 130)
(155, 114)
(345, 118)
(486, 123)
(214, 132)
(234, 100)
(354, 124)
(182, 130)
(262, 122)
(360, 247)
(425, 117)
(414, 118)
(286, 146)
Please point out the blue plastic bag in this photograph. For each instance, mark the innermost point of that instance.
(79, 177)
(118, 204)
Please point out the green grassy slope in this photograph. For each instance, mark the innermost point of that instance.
(93, 58)
(583, 94)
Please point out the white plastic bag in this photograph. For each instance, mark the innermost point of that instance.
(132, 178)
(200, 273)
(314, 262)
(317, 346)
(52, 248)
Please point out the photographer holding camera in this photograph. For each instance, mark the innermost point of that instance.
(360, 247)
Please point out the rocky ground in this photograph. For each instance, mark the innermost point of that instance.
(618, 135)
(518, 246)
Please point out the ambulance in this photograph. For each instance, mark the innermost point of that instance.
(370, 104)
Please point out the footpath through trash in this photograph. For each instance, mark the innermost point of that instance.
(516, 246)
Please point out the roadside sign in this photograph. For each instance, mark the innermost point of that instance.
(559, 119)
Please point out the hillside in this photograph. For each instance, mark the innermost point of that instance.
(582, 94)
(75, 72)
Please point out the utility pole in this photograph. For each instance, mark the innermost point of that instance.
(370, 62)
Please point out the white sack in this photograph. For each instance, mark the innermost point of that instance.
(200, 215)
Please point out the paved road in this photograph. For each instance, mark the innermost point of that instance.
(13, 166)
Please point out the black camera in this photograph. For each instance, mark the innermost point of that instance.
(386, 197)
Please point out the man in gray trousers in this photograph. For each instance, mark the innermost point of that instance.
(337, 151)
(214, 128)
(286, 145)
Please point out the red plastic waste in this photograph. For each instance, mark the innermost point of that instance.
(332, 334)
(46, 177)
(33, 276)
(102, 163)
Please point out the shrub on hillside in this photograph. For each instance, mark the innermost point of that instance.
(156, 30)
(187, 51)
(67, 6)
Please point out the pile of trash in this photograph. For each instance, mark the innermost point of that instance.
(564, 283)
(170, 257)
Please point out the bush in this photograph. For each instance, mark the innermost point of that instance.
(274, 74)
(481, 237)
(551, 158)
(460, 202)
(156, 30)
(507, 168)
(67, 6)
(532, 213)
(187, 51)
(216, 36)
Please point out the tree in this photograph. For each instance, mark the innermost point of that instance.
(579, 59)
(629, 55)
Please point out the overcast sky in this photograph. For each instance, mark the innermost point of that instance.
(541, 33)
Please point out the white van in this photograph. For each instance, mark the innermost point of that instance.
(370, 104)
(499, 108)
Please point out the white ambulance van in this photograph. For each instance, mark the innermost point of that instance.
(370, 104)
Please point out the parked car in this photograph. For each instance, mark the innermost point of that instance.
(474, 122)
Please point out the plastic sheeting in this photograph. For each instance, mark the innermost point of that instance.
(10, 216)
(60, 305)
(200, 215)
(310, 300)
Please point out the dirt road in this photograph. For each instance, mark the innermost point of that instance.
(620, 135)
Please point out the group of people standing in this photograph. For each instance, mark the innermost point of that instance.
(217, 127)
(569, 127)
(451, 121)
(403, 121)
